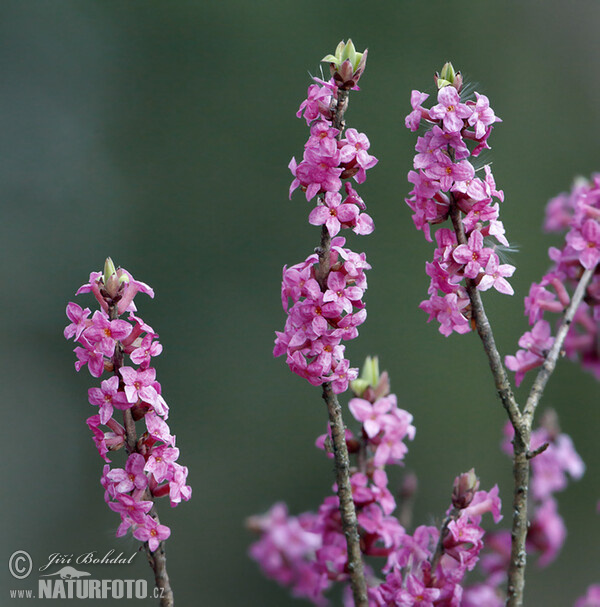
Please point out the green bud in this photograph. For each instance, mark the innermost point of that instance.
(345, 51)
(110, 278)
(368, 378)
(109, 269)
(448, 72)
(448, 76)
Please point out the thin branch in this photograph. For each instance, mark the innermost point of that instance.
(521, 441)
(158, 558)
(550, 363)
(338, 430)
(485, 331)
(347, 509)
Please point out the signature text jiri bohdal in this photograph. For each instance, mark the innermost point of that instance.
(88, 558)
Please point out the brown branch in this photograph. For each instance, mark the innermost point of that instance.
(522, 422)
(347, 509)
(484, 330)
(158, 558)
(516, 572)
(550, 363)
(338, 431)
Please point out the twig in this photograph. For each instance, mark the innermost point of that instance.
(485, 331)
(338, 431)
(516, 572)
(522, 422)
(347, 509)
(158, 558)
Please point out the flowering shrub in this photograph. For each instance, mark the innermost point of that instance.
(579, 213)
(105, 341)
(355, 538)
(326, 289)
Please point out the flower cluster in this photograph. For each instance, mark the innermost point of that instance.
(546, 534)
(579, 213)
(445, 187)
(326, 289)
(104, 339)
(308, 553)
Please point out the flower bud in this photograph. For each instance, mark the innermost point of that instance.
(464, 489)
(448, 77)
(110, 278)
(346, 65)
(368, 378)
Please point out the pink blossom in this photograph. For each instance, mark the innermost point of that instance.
(145, 351)
(448, 173)
(587, 243)
(333, 213)
(355, 151)
(482, 116)
(371, 415)
(547, 532)
(153, 533)
(132, 477)
(160, 462)
(138, 384)
(106, 397)
(413, 120)
(78, 318)
(105, 333)
(450, 110)
(473, 254)
(495, 276)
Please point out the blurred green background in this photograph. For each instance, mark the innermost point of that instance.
(159, 133)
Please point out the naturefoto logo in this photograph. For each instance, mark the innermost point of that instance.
(68, 573)
(68, 582)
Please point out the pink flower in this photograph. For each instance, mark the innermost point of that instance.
(78, 318)
(355, 151)
(587, 242)
(145, 351)
(415, 592)
(370, 415)
(138, 384)
(495, 276)
(333, 213)
(132, 477)
(105, 333)
(482, 116)
(450, 110)
(160, 462)
(448, 173)
(106, 397)
(473, 254)
(153, 533)
(413, 120)
(547, 532)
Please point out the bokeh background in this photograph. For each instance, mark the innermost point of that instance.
(159, 133)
